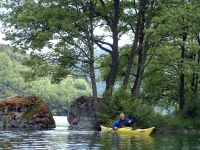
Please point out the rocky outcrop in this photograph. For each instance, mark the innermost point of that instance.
(25, 112)
(81, 114)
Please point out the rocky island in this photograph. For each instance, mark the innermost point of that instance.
(27, 111)
(81, 114)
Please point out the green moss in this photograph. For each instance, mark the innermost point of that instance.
(2, 105)
(34, 103)
(40, 107)
(18, 101)
(29, 115)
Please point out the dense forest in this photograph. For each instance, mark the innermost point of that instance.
(158, 64)
(57, 96)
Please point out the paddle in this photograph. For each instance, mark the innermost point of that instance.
(135, 120)
(142, 116)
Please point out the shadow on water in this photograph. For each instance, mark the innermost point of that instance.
(63, 139)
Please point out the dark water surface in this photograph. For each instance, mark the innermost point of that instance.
(61, 138)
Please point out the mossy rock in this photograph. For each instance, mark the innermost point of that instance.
(41, 109)
(26, 108)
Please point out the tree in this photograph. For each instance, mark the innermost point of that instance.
(147, 11)
(180, 37)
(151, 25)
(37, 23)
(56, 96)
(111, 14)
(138, 22)
(11, 82)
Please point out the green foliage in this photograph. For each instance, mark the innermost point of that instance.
(10, 78)
(192, 108)
(80, 84)
(103, 66)
(170, 48)
(174, 124)
(57, 96)
(122, 102)
(38, 67)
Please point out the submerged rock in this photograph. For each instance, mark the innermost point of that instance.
(81, 114)
(25, 112)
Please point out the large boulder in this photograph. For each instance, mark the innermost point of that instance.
(27, 111)
(81, 114)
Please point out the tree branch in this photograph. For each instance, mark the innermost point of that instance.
(102, 3)
(150, 58)
(102, 42)
(103, 48)
(76, 45)
(123, 28)
(135, 7)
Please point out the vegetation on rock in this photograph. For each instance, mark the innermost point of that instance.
(25, 112)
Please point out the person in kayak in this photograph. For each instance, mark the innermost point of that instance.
(122, 122)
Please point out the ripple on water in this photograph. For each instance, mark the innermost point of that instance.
(61, 138)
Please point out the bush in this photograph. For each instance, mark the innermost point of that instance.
(191, 108)
(121, 101)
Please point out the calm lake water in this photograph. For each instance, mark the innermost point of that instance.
(62, 138)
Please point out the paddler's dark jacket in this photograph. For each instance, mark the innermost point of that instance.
(122, 123)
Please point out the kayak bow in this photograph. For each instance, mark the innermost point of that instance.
(129, 130)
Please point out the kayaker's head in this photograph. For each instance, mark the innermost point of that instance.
(122, 116)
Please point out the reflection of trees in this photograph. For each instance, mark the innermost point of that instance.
(126, 141)
(177, 141)
(24, 139)
(61, 138)
(83, 139)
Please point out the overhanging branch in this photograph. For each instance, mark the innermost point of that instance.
(103, 48)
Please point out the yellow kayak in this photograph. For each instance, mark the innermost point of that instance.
(129, 130)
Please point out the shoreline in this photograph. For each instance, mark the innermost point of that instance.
(175, 131)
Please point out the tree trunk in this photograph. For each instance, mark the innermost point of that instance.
(94, 87)
(135, 91)
(114, 66)
(194, 82)
(134, 46)
(182, 76)
(181, 97)
(91, 61)
(138, 79)
(198, 61)
(142, 49)
(197, 76)
(137, 83)
(115, 52)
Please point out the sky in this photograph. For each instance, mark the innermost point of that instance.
(1, 39)
(123, 40)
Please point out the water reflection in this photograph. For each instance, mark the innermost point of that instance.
(35, 139)
(23, 140)
(83, 140)
(177, 141)
(124, 141)
(63, 139)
